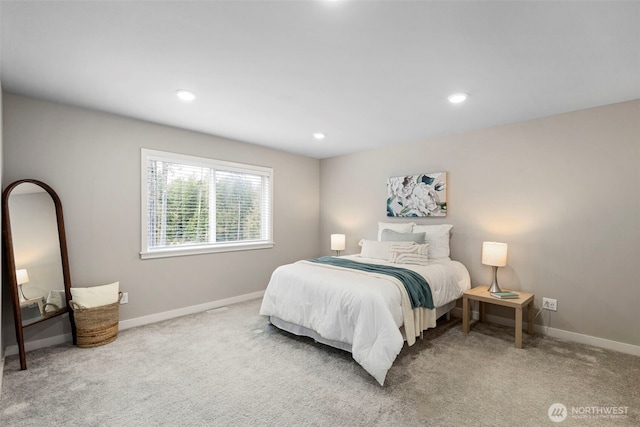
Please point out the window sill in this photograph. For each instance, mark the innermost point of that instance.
(186, 251)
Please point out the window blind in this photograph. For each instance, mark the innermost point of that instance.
(195, 202)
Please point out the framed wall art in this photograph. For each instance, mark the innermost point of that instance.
(417, 195)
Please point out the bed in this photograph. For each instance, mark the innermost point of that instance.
(368, 313)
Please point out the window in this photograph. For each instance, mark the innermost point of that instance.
(193, 205)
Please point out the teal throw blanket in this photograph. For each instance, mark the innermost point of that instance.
(417, 287)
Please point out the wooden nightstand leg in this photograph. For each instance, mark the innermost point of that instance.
(519, 327)
(530, 318)
(483, 311)
(465, 314)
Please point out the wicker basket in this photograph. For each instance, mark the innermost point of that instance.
(97, 325)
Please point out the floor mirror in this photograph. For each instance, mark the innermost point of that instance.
(36, 259)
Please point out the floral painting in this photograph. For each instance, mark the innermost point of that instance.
(417, 195)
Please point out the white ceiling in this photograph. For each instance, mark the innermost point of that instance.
(366, 73)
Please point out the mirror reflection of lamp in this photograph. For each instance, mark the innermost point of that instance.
(22, 278)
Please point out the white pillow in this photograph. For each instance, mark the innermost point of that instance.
(437, 236)
(409, 253)
(96, 295)
(400, 227)
(393, 236)
(375, 249)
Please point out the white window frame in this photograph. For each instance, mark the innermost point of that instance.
(202, 248)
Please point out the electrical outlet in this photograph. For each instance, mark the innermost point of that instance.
(550, 304)
(125, 298)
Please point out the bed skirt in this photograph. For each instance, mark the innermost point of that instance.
(306, 332)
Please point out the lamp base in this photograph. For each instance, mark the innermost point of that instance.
(21, 294)
(494, 286)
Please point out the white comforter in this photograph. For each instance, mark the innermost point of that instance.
(355, 307)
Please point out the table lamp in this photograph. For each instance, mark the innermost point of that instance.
(22, 277)
(338, 243)
(495, 255)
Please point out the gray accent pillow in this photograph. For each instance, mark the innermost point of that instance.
(388, 235)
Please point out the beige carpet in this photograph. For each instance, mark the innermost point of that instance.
(232, 368)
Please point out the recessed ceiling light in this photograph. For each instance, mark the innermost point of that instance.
(319, 135)
(457, 98)
(185, 95)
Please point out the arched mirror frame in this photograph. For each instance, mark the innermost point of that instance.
(11, 265)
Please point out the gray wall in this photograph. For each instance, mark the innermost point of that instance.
(562, 191)
(92, 160)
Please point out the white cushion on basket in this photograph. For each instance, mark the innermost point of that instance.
(96, 296)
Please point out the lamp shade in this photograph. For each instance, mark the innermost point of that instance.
(494, 253)
(337, 242)
(22, 276)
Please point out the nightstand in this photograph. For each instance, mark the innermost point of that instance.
(37, 300)
(482, 295)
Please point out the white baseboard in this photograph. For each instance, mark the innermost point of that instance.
(560, 334)
(138, 321)
(589, 340)
(37, 344)
(153, 318)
